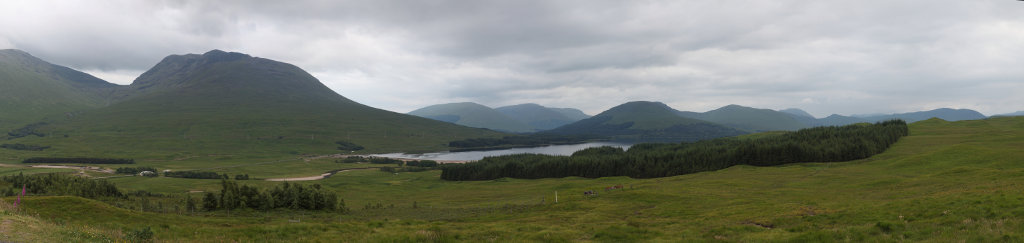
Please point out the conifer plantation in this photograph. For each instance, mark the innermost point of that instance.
(821, 144)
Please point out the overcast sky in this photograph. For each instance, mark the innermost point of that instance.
(846, 57)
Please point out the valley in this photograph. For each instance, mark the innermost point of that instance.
(241, 148)
(946, 181)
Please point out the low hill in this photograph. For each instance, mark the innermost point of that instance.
(472, 115)
(221, 102)
(32, 89)
(542, 118)
(748, 119)
(646, 121)
(1019, 113)
(943, 113)
(839, 120)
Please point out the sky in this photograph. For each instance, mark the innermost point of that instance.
(825, 57)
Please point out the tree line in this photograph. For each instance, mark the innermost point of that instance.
(18, 146)
(820, 144)
(286, 195)
(50, 160)
(134, 170)
(195, 174)
(60, 184)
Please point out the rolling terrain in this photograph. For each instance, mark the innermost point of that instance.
(946, 181)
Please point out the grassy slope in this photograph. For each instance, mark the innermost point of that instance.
(32, 90)
(947, 181)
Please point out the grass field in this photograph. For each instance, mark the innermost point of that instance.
(946, 182)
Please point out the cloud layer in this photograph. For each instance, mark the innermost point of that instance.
(826, 57)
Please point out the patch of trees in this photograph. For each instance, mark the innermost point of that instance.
(27, 130)
(25, 147)
(371, 159)
(532, 140)
(59, 184)
(195, 174)
(821, 144)
(422, 163)
(48, 160)
(134, 170)
(348, 146)
(242, 177)
(286, 195)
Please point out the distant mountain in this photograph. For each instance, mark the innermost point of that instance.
(571, 113)
(542, 118)
(32, 89)
(748, 119)
(472, 115)
(225, 102)
(1019, 113)
(943, 113)
(839, 120)
(647, 121)
(797, 112)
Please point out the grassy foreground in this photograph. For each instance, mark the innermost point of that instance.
(947, 181)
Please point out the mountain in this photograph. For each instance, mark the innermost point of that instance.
(1019, 113)
(748, 119)
(224, 102)
(943, 113)
(542, 118)
(646, 121)
(571, 113)
(796, 112)
(472, 115)
(32, 89)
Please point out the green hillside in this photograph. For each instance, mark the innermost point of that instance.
(473, 115)
(748, 119)
(540, 117)
(945, 182)
(33, 90)
(239, 108)
(646, 121)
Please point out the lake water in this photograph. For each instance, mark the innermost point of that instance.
(477, 155)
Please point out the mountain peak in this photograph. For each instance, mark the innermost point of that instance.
(223, 56)
(232, 75)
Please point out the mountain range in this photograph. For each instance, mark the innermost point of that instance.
(522, 118)
(195, 104)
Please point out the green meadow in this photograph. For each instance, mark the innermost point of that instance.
(946, 182)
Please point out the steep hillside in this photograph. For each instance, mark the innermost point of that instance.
(32, 89)
(541, 118)
(472, 115)
(646, 121)
(220, 102)
(748, 119)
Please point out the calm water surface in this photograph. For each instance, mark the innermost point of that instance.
(477, 155)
